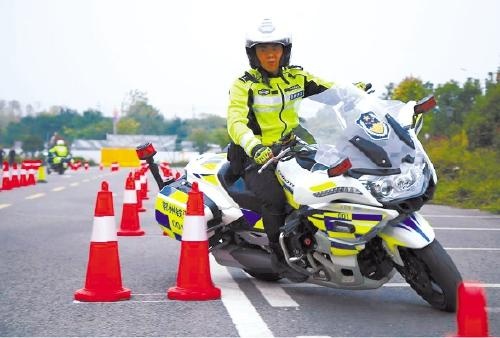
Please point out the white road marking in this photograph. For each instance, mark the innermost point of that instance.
(463, 216)
(58, 188)
(74, 184)
(4, 205)
(35, 196)
(387, 285)
(467, 229)
(245, 317)
(473, 249)
(86, 180)
(275, 296)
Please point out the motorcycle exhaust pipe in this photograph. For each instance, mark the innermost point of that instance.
(146, 152)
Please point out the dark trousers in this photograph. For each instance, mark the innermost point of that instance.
(272, 197)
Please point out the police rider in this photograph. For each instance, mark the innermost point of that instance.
(261, 111)
(59, 150)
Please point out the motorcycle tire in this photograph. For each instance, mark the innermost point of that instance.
(265, 276)
(431, 272)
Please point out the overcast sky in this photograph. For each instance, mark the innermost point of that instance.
(185, 54)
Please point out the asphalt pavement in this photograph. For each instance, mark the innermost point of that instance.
(44, 245)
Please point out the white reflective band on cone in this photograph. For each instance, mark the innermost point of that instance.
(137, 185)
(143, 179)
(194, 229)
(104, 229)
(129, 197)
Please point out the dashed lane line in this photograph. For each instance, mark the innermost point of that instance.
(58, 188)
(472, 249)
(387, 285)
(2, 206)
(466, 229)
(463, 216)
(245, 317)
(74, 184)
(35, 196)
(276, 297)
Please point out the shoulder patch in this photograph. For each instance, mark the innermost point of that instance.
(248, 77)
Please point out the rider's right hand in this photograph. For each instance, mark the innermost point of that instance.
(261, 154)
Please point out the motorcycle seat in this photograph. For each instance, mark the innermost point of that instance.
(236, 188)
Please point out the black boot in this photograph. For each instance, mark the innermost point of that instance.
(281, 267)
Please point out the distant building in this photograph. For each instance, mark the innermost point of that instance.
(164, 145)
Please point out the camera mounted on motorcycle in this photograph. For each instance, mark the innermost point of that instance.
(340, 168)
(145, 151)
(425, 104)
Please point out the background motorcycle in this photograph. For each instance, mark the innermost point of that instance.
(58, 164)
(353, 201)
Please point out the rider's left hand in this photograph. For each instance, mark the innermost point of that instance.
(367, 87)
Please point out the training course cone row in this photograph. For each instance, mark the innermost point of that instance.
(130, 224)
(472, 318)
(103, 282)
(193, 278)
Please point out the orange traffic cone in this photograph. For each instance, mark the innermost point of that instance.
(144, 184)
(31, 172)
(137, 179)
(104, 281)
(6, 176)
(14, 180)
(129, 225)
(193, 278)
(23, 182)
(472, 319)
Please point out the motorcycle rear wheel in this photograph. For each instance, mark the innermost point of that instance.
(432, 274)
(265, 276)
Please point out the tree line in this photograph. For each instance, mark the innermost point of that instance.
(461, 135)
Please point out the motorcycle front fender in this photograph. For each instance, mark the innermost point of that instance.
(413, 232)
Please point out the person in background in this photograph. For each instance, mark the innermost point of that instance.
(2, 154)
(12, 156)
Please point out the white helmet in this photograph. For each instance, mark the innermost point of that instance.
(267, 33)
(60, 142)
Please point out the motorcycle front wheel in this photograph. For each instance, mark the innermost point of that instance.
(431, 272)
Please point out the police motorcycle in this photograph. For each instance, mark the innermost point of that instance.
(354, 196)
(58, 164)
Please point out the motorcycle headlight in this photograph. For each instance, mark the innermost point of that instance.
(412, 181)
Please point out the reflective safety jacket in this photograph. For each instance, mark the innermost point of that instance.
(262, 113)
(59, 151)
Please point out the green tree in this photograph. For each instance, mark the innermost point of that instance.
(409, 89)
(128, 126)
(199, 137)
(149, 118)
(483, 123)
(220, 137)
(32, 143)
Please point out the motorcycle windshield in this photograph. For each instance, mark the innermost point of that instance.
(347, 122)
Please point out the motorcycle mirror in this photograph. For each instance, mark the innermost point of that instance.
(424, 105)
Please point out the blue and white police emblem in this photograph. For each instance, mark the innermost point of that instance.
(375, 128)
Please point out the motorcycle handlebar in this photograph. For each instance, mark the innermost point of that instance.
(274, 159)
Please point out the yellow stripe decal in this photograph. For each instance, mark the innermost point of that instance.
(322, 186)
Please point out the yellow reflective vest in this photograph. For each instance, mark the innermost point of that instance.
(60, 151)
(262, 113)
